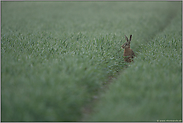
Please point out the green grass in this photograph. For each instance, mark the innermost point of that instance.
(151, 88)
(57, 55)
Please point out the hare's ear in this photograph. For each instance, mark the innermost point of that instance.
(126, 38)
(130, 37)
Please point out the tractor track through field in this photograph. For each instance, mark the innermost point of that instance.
(88, 109)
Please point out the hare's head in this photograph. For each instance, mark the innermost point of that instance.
(127, 44)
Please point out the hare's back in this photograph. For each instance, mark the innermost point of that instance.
(128, 52)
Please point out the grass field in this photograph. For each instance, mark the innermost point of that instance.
(58, 56)
(151, 88)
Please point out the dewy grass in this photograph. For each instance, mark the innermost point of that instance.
(57, 55)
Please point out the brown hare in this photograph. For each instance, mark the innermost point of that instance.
(128, 53)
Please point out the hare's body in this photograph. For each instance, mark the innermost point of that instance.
(128, 55)
(128, 52)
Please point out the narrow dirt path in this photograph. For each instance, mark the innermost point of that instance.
(88, 109)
